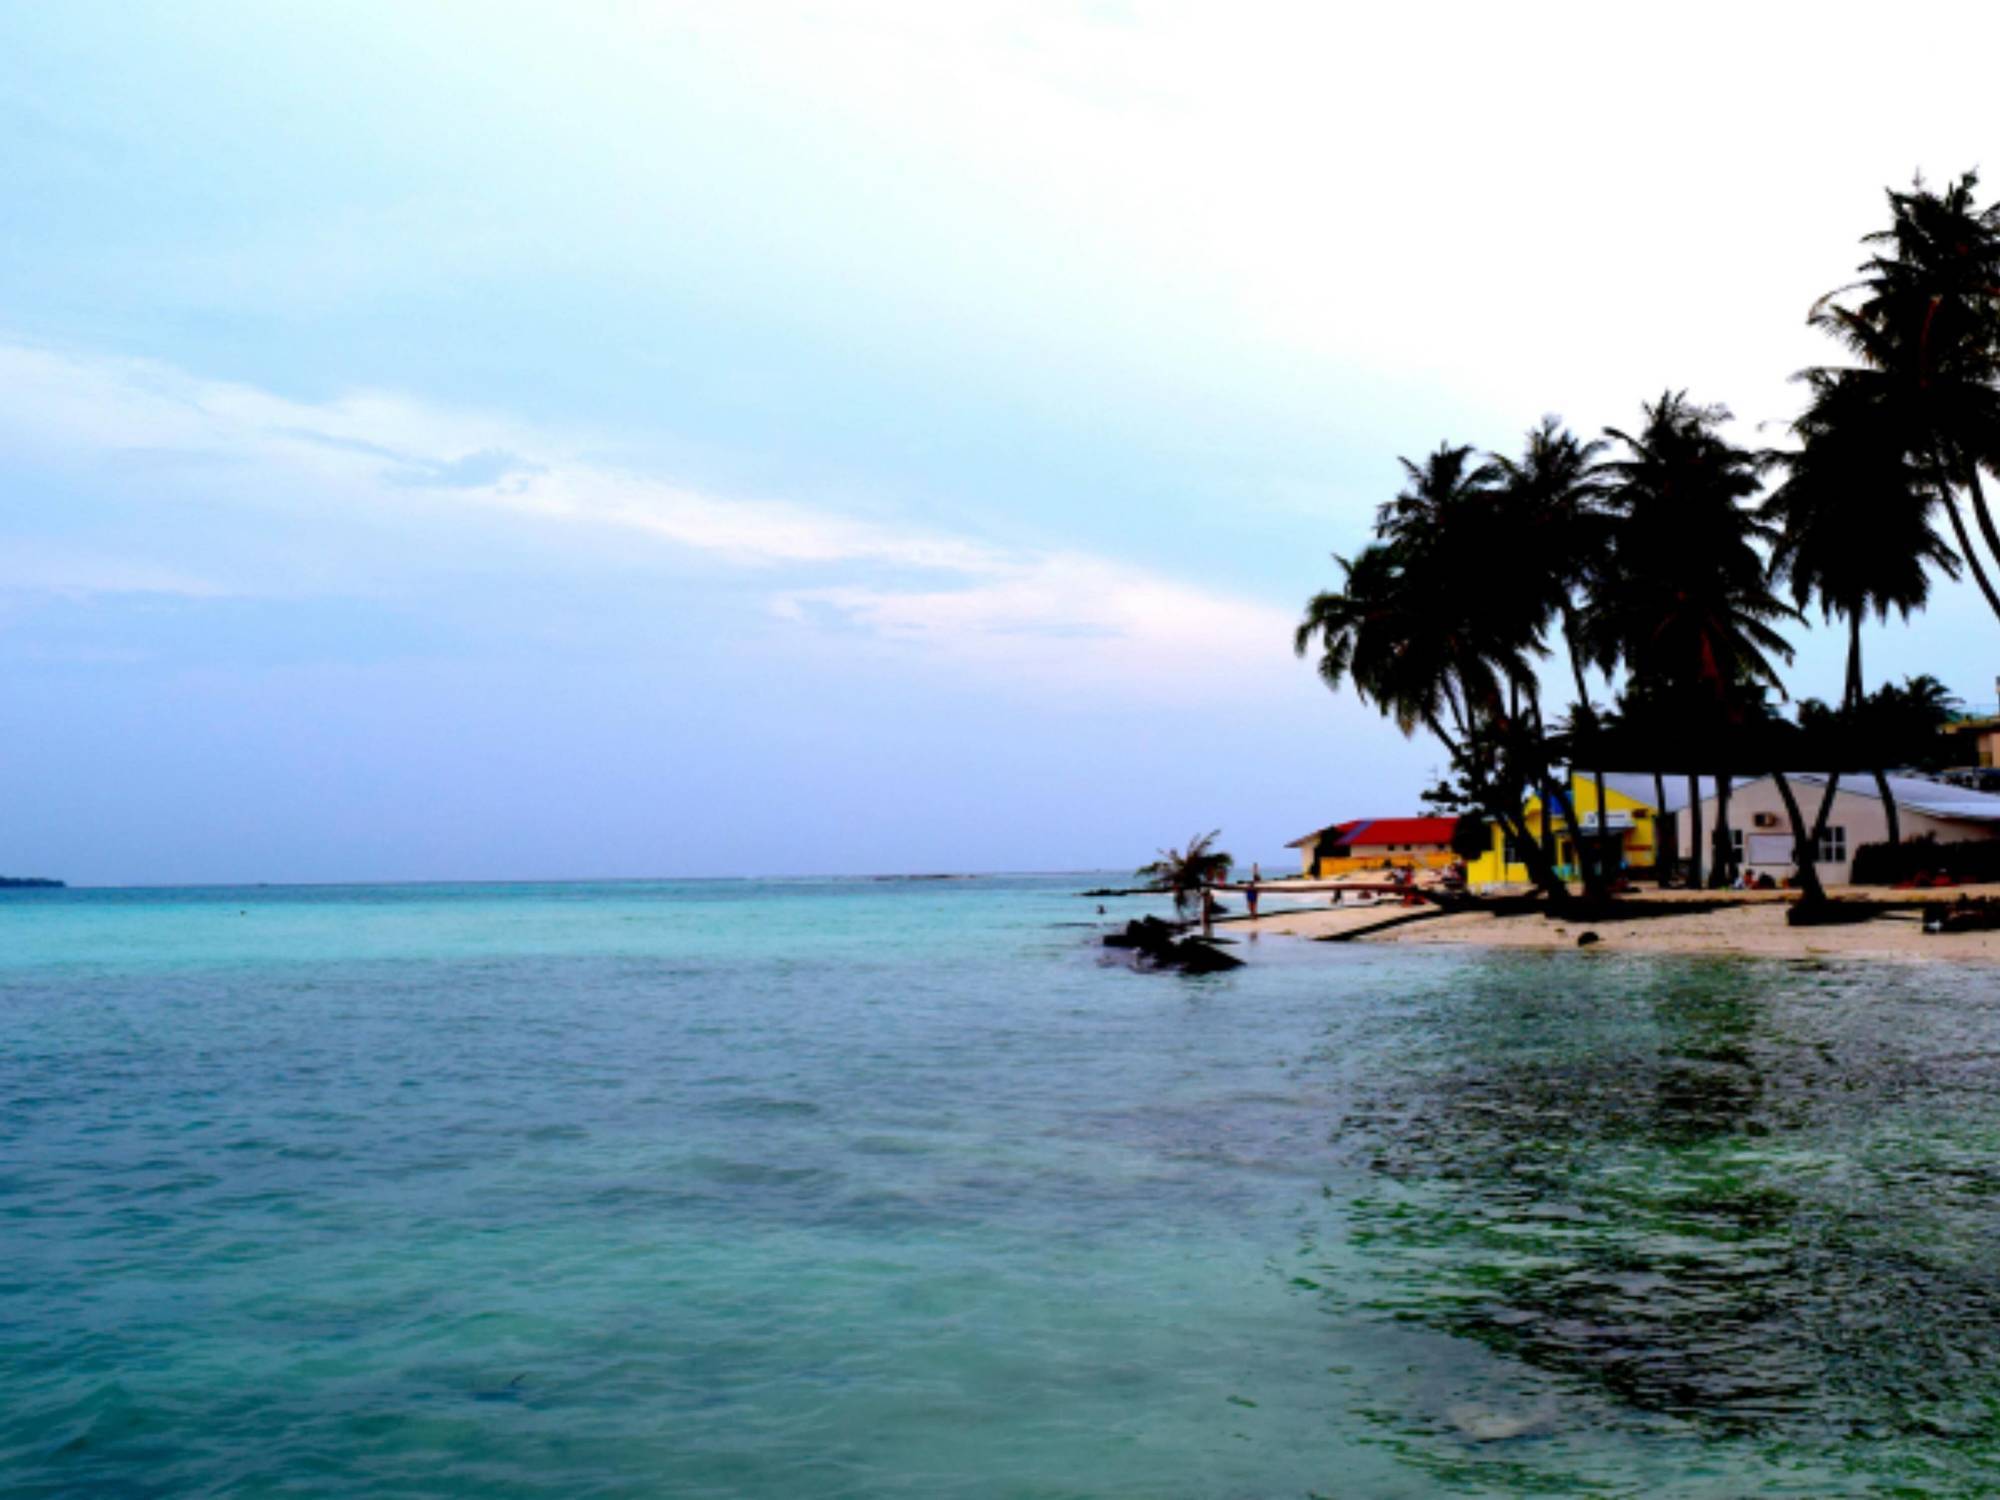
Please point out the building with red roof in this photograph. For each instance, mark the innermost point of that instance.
(1375, 843)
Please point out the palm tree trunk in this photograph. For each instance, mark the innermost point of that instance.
(1587, 869)
(1540, 870)
(1889, 809)
(1985, 516)
(1606, 873)
(1722, 858)
(1965, 546)
(1854, 690)
(1851, 712)
(1659, 813)
(1805, 848)
(1584, 709)
(1825, 805)
(1857, 696)
(1694, 831)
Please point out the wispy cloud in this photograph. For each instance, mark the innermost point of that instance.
(1066, 615)
(1054, 613)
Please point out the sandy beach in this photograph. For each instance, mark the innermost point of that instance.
(1750, 923)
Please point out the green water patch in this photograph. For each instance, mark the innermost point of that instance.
(1744, 1202)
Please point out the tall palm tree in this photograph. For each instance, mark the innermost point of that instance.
(1184, 872)
(1687, 604)
(1411, 631)
(1926, 333)
(1855, 528)
(1453, 516)
(1553, 496)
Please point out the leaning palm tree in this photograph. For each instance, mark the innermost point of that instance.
(1925, 330)
(1855, 529)
(1687, 602)
(1414, 632)
(1185, 872)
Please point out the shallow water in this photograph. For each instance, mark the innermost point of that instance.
(864, 1189)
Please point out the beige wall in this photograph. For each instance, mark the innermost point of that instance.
(1769, 848)
(1399, 851)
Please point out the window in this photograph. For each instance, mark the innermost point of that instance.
(1833, 847)
(1736, 845)
(1510, 852)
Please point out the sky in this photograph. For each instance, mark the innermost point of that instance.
(489, 441)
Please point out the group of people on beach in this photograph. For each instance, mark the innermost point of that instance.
(1402, 876)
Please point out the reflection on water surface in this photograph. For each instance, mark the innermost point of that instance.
(1761, 1200)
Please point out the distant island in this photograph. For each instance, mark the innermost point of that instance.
(29, 883)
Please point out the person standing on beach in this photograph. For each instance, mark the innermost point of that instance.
(1250, 891)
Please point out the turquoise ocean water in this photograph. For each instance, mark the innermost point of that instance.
(854, 1188)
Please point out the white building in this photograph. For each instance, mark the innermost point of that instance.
(1762, 833)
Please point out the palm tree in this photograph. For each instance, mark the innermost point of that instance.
(1443, 490)
(1411, 631)
(1554, 498)
(1855, 529)
(1909, 714)
(1926, 333)
(1687, 603)
(1185, 872)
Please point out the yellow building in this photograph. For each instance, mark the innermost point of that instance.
(1982, 738)
(1362, 844)
(1633, 823)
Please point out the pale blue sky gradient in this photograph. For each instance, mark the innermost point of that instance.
(487, 441)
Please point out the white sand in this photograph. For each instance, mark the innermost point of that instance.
(1755, 926)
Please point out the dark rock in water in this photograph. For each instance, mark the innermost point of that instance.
(1585, 939)
(1193, 956)
(1157, 946)
(1146, 932)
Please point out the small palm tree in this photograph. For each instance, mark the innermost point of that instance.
(1183, 872)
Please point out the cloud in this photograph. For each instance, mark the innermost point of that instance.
(1068, 615)
(473, 471)
(946, 598)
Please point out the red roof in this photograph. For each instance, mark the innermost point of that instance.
(1372, 831)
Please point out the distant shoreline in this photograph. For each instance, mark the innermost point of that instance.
(30, 883)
